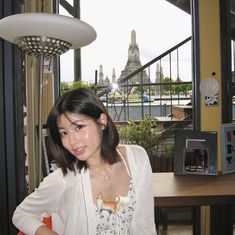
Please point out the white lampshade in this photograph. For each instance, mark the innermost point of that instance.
(209, 87)
(68, 29)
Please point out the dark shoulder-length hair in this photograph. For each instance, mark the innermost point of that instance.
(84, 102)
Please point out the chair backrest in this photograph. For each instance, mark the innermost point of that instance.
(47, 221)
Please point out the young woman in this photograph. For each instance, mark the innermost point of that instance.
(99, 187)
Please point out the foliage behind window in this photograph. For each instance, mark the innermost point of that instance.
(65, 86)
(143, 133)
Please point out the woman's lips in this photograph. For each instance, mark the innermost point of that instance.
(79, 151)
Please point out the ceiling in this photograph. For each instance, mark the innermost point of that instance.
(182, 4)
(185, 6)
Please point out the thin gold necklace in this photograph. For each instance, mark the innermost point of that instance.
(106, 176)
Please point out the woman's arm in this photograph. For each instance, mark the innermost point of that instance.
(44, 230)
(41, 203)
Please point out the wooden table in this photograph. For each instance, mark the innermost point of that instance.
(218, 192)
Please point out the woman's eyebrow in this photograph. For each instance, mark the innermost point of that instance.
(75, 122)
(61, 128)
(72, 123)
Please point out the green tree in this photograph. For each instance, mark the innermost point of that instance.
(65, 86)
(182, 89)
(167, 87)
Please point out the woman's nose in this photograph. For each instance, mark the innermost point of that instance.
(73, 138)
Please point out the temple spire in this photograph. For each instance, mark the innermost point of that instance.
(133, 62)
(133, 38)
(101, 75)
(113, 76)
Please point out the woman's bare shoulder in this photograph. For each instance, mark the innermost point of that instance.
(123, 150)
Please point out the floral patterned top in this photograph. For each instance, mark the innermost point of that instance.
(118, 222)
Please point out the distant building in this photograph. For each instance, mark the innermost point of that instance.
(178, 80)
(133, 62)
(106, 81)
(101, 76)
(159, 78)
(114, 76)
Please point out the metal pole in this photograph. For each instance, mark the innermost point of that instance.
(40, 108)
(77, 52)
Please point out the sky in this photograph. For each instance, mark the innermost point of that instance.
(158, 24)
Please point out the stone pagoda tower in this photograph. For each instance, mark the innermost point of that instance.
(101, 76)
(133, 62)
(159, 78)
(114, 76)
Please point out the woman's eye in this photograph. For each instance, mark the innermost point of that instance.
(79, 127)
(63, 133)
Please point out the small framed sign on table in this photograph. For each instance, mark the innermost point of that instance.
(228, 147)
(195, 152)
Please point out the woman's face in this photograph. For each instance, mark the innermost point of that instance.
(81, 135)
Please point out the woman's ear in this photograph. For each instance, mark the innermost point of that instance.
(103, 119)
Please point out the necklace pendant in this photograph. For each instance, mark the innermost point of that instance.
(106, 177)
